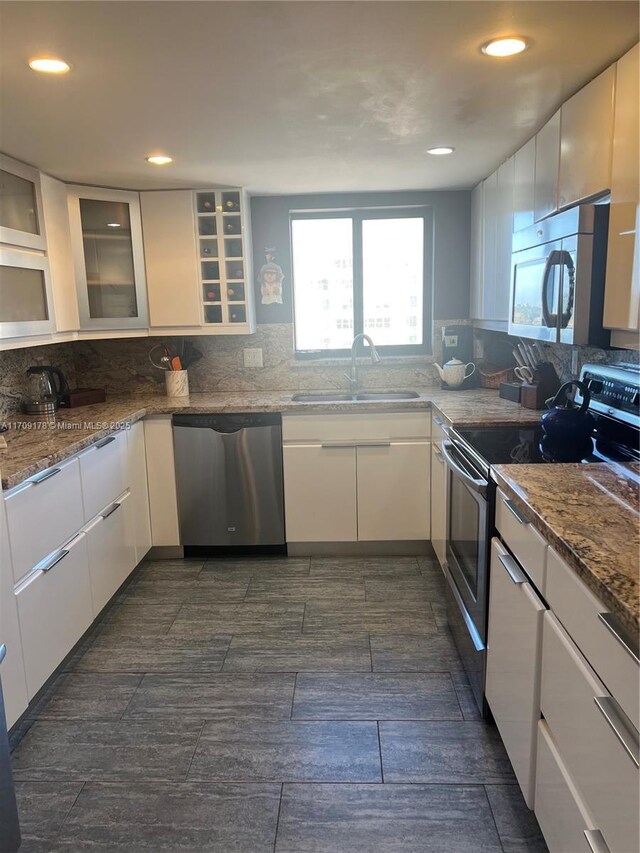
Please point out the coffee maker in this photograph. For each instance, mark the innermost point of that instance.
(457, 342)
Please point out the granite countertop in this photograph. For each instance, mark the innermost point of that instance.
(34, 443)
(589, 514)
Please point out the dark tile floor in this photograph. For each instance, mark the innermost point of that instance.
(295, 706)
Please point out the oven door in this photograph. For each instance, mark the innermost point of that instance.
(467, 566)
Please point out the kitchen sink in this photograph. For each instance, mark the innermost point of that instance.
(372, 396)
(387, 395)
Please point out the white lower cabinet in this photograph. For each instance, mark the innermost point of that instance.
(513, 663)
(320, 493)
(561, 813)
(597, 742)
(54, 608)
(357, 477)
(438, 500)
(112, 555)
(137, 467)
(393, 491)
(49, 503)
(103, 470)
(14, 685)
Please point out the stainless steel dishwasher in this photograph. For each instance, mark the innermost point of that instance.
(229, 481)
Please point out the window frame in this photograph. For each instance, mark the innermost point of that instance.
(358, 216)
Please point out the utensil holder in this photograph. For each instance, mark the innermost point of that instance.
(177, 383)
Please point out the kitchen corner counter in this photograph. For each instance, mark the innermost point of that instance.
(590, 514)
(34, 443)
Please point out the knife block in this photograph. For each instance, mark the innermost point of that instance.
(532, 396)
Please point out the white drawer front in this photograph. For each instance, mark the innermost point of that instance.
(137, 465)
(521, 537)
(42, 513)
(604, 772)
(562, 815)
(513, 663)
(54, 609)
(111, 545)
(339, 427)
(609, 655)
(103, 472)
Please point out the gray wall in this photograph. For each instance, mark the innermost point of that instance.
(451, 223)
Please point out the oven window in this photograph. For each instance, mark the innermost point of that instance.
(464, 532)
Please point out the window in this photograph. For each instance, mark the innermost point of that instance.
(361, 271)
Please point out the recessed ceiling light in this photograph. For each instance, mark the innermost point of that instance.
(504, 47)
(159, 159)
(113, 225)
(441, 149)
(49, 65)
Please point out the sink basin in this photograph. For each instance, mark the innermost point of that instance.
(322, 398)
(388, 395)
(372, 396)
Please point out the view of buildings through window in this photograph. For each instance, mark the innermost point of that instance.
(381, 293)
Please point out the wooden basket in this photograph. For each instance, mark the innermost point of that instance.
(491, 378)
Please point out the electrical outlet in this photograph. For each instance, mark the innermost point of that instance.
(574, 361)
(253, 357)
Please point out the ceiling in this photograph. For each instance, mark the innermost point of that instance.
(290, 97)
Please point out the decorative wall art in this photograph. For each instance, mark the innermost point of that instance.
(270, 279)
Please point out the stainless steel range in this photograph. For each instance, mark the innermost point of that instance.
(470, 453)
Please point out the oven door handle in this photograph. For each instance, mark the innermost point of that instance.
(478, 484)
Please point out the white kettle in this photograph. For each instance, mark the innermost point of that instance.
(455, 372)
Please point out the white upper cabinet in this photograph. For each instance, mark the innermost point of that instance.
(168, 225)
(586, 132)
(106, 235)
(489, 240)
(476, 252)
(622, 291)
(545, 192)
(26, 304)
(524, 177)
(499, 306)
(60, 254)
(198, 258)
(21, 217)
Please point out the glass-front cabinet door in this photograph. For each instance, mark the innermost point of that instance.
(25, 294)
(21, 217)
(106, 234)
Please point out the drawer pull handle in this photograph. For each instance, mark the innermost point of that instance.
(373, 443)
(437, 421)
(513, 569)
(46, 475)
(55, 559)
(104, 441)
(111, 510)
(612, 624)
(328, 445)
(620, 725)
(438, 454)
(513, 509)
(595, 841)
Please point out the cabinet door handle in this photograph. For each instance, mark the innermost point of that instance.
(111, 510)
(54, 560)
(438, 454)
(334, 444)
(629, 644)
(513, 509)
(46, 475)
(595, 841)
(373, 443)
(104, 441)
(622, 728)
(513, 569)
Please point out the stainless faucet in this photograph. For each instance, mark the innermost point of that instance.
(375, 358)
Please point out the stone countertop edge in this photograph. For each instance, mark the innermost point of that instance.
(32, 450)
(618, 591)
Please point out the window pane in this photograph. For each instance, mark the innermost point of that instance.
(393, 280)
(323, 283)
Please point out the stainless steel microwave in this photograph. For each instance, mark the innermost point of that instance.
(558, 271)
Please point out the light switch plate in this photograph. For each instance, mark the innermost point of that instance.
(253, 357)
